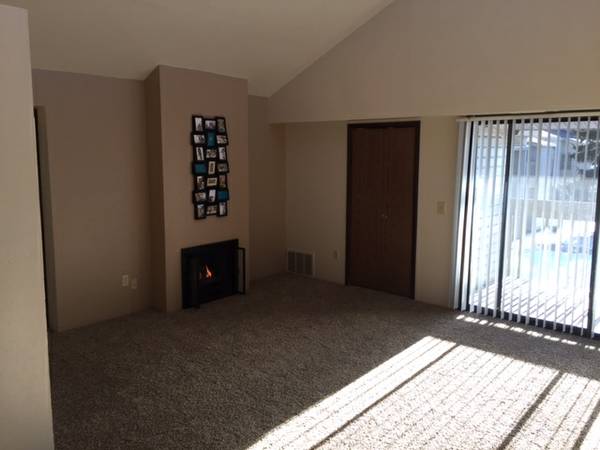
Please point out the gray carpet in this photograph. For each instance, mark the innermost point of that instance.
(300, 363)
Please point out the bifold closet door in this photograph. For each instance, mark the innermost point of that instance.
(382, 186)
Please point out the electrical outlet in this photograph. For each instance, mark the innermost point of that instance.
(125, 280)
(134, 283)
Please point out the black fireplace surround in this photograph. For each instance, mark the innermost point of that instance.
(210, 272)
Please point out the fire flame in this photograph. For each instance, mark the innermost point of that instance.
(207, 272)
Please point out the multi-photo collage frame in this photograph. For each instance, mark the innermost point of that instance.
(210, 167)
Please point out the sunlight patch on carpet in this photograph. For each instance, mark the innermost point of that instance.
(316, 423)
(526, 330)
(437, 394)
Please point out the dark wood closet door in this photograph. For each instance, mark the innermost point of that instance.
(382, 195)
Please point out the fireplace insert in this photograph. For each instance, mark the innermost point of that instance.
(212, 271)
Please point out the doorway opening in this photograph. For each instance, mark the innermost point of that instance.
(45, 217)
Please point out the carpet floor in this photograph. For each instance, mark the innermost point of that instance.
(300, 363)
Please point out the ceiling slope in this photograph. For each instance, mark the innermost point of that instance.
(439, 57)
(267, 42)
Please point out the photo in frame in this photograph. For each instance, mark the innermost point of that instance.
(222, 139)
(198, 124)
(199, 168)
(211, 181)
(210, 124)
(199, 183)
(198, 153)
(222, 195)
(199, 197)
(222, 181)
(211, 210)
(222, 209)
(212, 195)
(223, 167)
(212, 167)
(211, 153)
(221, 125)
(222, 153)
(211, 139)
(200, 211)
(198, 139)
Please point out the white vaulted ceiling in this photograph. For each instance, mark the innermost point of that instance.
(267, 42)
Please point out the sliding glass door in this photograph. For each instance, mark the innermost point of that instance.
(528, 220)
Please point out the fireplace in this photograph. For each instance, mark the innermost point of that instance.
(212, 271)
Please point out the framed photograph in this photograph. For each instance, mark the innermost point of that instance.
(211, 210)
(198, 139)
(222, 139)
(198, 153)
(211, 139)
(199, 168)
(212, 195)
(211, 181)
(199, 196)
(222, 181)
(222, 209)
(197, 124)
(200, 211)
(200, 183)
(222, 167)
(210, 124)
(223, 153)
(222, 195)
(211, 153)
(221, 127)
(212, 167)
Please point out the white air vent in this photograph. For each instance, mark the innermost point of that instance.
(301, 263)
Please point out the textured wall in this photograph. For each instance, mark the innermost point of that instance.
(316, 194)
(266, 148)
(437, 183)
(25, 414)
(95, 147)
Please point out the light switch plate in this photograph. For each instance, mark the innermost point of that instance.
(134, 283)
(441, 207)
(125, 280)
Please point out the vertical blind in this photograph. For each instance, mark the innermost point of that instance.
(528, 220)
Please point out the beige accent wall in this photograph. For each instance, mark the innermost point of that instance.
(25, 411)
(435, 231)
(316, 195)
(266, 147)
(316, 160)
(94, 147)
(183, 93)
(439, 57)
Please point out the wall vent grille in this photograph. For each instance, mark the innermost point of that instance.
(301, 263)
